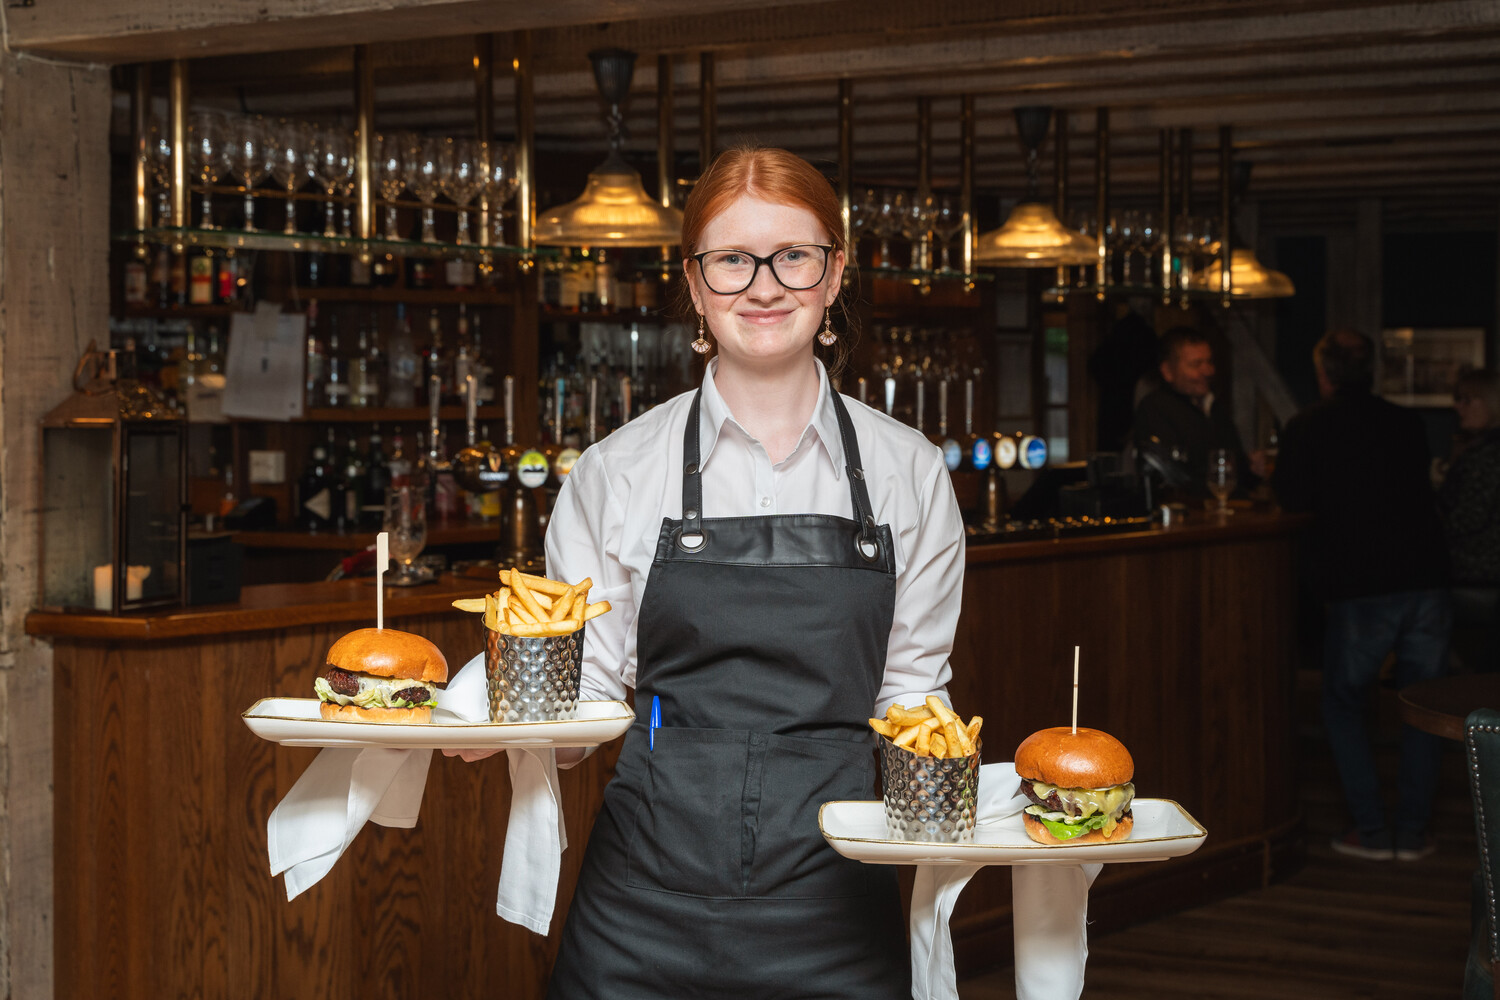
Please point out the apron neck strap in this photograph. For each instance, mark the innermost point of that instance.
(692, 473)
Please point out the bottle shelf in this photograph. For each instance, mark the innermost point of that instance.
(553, 314)
(438, 533)
(240, 239)
(1176, 294)
(217, 311)
(410, 296)
(921, 277)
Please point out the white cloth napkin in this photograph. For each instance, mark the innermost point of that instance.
(345, 788)
(1049, 910)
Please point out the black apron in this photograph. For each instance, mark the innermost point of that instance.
(705, 873)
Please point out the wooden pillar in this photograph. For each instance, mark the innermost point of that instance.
(54, 230)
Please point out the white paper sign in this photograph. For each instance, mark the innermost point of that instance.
(264, 368)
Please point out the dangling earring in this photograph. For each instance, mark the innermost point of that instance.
(701, 345)
(827, 337)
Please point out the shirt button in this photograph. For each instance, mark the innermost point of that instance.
(765, 501)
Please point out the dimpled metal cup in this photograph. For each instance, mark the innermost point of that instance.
(929, 799)
(532, 679)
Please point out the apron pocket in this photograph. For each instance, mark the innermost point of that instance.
(791, 858)
(687, 834)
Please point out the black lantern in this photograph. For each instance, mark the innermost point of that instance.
(114, 494)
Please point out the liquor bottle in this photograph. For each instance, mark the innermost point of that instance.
(463, 360)
(161, 277)
(404, 365)
(953, 453)
(364, 376)
(377, 478)
(338, 487)
(315, 357)
(314, 503)
(228, 289)
(977, 450)
(137, 284)
(201, 279)
(355, 484)
(178, 282)
(483, 371)
(335, 369)
(399, 465)
(433, 380)
(604, 284)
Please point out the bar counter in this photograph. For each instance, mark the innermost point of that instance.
(162, 794)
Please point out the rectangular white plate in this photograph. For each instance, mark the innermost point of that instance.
(1163, 829)
(295, 722)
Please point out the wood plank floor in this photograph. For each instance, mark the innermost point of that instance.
(1340, 928)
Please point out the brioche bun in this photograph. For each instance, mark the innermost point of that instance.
(353, 713)
(1085, 759)
(386, 652)
(1038, 832)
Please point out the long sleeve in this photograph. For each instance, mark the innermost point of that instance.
(929, 595)
(583, 540)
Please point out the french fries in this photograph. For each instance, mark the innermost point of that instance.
(933, 730)
(533, 606)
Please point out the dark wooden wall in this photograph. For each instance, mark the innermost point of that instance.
(163, 794)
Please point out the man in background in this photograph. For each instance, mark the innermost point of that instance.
(1182, 414)
(1359, 464)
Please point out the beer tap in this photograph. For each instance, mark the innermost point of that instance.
(478, 468)
(593, 429)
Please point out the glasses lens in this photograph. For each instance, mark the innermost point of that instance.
(728, 271)
(800, 267)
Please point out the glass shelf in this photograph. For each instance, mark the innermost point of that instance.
(1152, 291)
(239, 239)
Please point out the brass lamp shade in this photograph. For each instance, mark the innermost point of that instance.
(1033, 237)
(613, 211)
(1248, 278)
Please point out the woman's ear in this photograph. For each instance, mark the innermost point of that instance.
(835, 279)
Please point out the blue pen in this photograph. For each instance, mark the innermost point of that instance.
(655, 718)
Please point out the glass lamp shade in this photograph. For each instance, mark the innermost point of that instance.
(613, 211)
(1248, 278)
(1033, 237)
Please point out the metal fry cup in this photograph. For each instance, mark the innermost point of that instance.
(929, 799)
(532, 679)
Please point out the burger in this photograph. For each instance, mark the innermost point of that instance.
(1079, 785)
(381, 675)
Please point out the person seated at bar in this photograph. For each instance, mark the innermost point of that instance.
(1359, 465)
(1469, 501)
(1183, 417)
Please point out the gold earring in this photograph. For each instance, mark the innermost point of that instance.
(701, 345)
(827, 337)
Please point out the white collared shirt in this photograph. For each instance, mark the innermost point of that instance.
(609, 514)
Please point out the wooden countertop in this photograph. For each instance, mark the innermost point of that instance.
(262, 608)
(273, 606)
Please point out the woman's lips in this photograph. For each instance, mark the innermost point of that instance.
(765, 316)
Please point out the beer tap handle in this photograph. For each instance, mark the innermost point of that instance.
(969, 406)
(890, 396)
(921, 403)
(625, 399)
(510, 409)
(863, 389)
(943, 407)
(471, 408)
(434, 401)
(593, 409)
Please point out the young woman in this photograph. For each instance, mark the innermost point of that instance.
(783, 563)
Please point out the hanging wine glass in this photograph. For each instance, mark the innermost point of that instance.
(1150, 241)
(391, 175)
(1126, 228)
(252, 156)
(949, 223)
(330, 161)
(291, 164)
(346, 187)
(209, 157)
(500, 182)
(424, 176)
(460, 180)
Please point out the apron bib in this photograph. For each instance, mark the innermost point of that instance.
(705, 873)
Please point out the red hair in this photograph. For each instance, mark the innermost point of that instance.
(783, 178)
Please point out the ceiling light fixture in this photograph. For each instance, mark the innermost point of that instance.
(1032, 236)
(614, 209)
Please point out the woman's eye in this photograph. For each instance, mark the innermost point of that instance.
(793, 256)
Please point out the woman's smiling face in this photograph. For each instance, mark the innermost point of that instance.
(767, 324)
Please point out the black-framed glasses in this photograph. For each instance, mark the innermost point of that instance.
(798, 268)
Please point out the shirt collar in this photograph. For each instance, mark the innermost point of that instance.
(713, 412)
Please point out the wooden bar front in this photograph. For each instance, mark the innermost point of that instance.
(162, 794)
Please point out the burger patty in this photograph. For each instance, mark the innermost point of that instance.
(342, 681)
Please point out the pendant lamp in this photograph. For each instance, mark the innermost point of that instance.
(614, 209)
(1032, 236)
(1248, 278)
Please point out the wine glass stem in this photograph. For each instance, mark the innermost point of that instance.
(429, 231)
(348, 224)
(390, 223)
(329, 228)
(291, 214)
(207, 221)
(249, 211)
(463, 226)
(947, 266)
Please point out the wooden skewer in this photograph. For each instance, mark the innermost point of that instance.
(382, 556)
(1075, 690)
